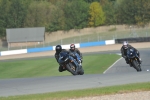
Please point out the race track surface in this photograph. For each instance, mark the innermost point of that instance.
(118, 74)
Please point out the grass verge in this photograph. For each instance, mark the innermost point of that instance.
(84, 92)
(92, 64)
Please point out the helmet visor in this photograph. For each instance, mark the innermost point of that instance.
(72, 48)
(125, 46)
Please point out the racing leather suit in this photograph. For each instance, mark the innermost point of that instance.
(61, 68)
(124, 53)
(78, 52)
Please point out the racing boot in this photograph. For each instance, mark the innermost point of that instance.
(130, 64)
(61, 68)
(127, 60)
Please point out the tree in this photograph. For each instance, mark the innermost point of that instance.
(17, 13)
(97, 16)
(76, 14)
(57, 18)
(143, 15)
(110, 10)
(4, 8)
(39, 14)
(90, 1)
(134, 12)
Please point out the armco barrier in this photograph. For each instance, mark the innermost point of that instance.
(31, 50)
(108, 42)
(82, 45)
(42, 49)
(133, 40)
(13, 52)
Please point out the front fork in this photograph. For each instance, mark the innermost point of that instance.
(131, 60)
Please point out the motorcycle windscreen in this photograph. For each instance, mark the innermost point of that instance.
(130, 53)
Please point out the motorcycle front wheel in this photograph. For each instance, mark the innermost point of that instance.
(71, 68)
(137, 66)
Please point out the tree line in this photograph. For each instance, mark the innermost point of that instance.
(71, 14)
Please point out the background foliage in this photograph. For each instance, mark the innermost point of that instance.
(71, 14)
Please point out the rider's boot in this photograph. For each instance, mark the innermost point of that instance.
(130, 64)
(61, 68)
(127, 61)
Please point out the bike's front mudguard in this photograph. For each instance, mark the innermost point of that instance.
(131, 60)
(135, 63)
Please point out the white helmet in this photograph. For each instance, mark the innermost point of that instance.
(125, 44)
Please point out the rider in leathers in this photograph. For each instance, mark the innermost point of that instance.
(59, 49)
(124, 51)
(74, 49)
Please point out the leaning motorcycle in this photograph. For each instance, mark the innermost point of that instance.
(133, 59)
(70, 63)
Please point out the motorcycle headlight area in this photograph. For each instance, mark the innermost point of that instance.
(131, 53)
(66, 59)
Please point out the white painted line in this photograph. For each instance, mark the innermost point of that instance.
(112, 65)
(119, 54)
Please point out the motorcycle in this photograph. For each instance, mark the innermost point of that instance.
(133, 59)
(70, 63)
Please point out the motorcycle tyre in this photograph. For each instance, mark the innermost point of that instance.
(68, 67)
(137, 66)
(81, 71)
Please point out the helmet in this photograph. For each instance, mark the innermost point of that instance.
(72, 47)
(58, 48)
(125, 44)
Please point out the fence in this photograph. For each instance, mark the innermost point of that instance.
(82, 37)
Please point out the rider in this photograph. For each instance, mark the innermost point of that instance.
(74, 49)
(59, 49)
(124, 51)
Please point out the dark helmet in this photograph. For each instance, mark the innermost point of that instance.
(58, 48)
(125, 44)
(72, 47)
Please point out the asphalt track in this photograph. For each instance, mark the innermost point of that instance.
(118, 74)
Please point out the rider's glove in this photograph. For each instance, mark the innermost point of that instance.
(81, 60)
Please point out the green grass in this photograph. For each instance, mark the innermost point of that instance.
(92, 64)
(84, 92)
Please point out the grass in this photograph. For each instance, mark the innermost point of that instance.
(92, 64)
(84, 92)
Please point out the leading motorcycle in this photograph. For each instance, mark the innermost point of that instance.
(70, 63)
(133, 59)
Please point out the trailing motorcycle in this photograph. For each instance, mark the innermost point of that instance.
(70, 63)
(133, 59)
